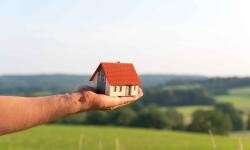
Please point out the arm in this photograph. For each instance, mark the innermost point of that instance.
(19, 113)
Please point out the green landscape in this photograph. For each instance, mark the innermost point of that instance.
(117, 138)
(163, 119)
(125, 75)
(239, 97)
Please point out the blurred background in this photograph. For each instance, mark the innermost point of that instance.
(192, 57)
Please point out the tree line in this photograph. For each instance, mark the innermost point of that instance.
(29, 84)
(223, 119)
(215, 85)
(57, 83)
(150, 116)
(177, 96)
(149, 112)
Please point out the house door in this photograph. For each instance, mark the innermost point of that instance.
(101, 82)
(128, 90)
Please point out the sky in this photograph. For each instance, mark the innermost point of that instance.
(205, 37)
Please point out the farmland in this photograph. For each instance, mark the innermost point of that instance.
(239, 97)
(187, 111)
(121, 138)
(93, 137)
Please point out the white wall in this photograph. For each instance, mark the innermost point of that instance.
(109, 90)
(118, 92)
(134, 91)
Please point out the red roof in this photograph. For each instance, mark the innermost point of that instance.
(119, 73)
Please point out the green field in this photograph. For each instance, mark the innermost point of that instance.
(239, 97)
(187, 111)
(55, 137)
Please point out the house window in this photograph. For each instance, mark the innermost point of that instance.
(134, 87)
(115, 88)
(120, 88)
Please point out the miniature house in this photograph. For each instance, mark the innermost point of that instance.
(116, 79)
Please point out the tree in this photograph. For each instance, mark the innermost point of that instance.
(123, 116)
(234, 114)
(248, 122)
(175, 119)
(216, 121)
(97, 117)
(177, 96)
(151, 117)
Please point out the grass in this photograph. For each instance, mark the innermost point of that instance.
(187, 111)
(239, 97)
(56, 137)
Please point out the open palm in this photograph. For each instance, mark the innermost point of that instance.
(95, 101)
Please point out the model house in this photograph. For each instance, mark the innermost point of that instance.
(116, 79)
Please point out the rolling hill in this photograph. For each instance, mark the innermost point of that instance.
(47, 84)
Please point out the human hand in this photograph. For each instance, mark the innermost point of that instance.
(90, 100)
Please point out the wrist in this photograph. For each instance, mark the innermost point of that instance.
(74, 102)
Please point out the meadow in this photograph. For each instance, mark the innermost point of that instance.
(61, 137)
(57, 137)
(187, 111)
(239, 97)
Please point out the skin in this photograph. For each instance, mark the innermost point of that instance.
(20, 113)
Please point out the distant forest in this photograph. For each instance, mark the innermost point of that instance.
(162, 90)
(30, 84)
(216, 86)
(152, 111)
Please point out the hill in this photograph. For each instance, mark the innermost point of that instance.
(47, 84)
(215, 85)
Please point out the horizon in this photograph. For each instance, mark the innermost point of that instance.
(208, 38)
(143, 74)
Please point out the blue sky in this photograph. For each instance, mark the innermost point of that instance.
(209, 37)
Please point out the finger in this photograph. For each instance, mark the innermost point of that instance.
(122, 105)
(115, 107)
(123, 101)
(110, 102)
(126, 102)
(133, 98)
(140, 93)
(116, 99)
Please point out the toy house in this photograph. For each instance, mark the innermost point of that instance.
(116, 79)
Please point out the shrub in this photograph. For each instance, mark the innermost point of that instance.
(216, 121)
(234, 115)
(124, 116)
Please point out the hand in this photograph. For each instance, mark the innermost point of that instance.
(21, 113)
(90, 100)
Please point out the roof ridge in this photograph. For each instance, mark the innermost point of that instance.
(115, 63)
(119, 73)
